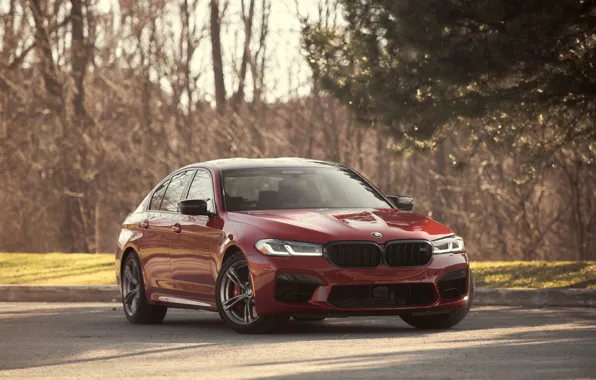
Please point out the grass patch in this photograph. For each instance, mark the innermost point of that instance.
(57, 269)
(535, 274)
(89, 269)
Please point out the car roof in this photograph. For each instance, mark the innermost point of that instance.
(250, 163)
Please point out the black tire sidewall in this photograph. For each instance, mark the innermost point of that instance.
(472, 292)
(145, 313)
(142, 296)
(264, 324)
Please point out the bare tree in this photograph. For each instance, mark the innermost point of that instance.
(97, 106)
(216, 54)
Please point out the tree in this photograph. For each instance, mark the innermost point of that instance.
(216, 54)
(506, 73)
(97, 105)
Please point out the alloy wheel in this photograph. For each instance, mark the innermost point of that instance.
(236, 294)
(131, 281)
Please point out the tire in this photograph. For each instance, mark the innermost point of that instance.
(442, 321)
(234, 290)
(298, 318)
(137, 309)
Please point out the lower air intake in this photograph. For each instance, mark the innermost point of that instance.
(453, 284)
(381, 296)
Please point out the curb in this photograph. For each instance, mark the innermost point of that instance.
(34, 293)
(536, 297)
(484, 296)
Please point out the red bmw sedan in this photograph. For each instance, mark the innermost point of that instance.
(263, 240)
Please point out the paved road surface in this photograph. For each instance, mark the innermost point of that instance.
(95, 340)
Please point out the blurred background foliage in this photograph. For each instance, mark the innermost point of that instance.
(483, 111)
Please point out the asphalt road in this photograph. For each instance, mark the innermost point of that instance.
(95, 340)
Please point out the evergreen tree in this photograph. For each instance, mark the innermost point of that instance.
(511, 73)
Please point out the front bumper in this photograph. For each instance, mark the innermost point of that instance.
(392, 290)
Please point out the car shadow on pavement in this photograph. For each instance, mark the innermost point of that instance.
(333, 327)
(554, 354)
(527, 343)
(36, 335)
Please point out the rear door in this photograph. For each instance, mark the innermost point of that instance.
(193, 250)
(155, 244)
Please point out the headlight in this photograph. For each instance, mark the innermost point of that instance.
(274, 247)
(452, 244)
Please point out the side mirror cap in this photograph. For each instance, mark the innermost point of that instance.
(193, 207)
(402, 202)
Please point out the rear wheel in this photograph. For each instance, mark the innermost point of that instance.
(236, 301)
(442, 321)
(134, 299)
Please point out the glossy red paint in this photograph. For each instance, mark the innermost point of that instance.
(181, 255)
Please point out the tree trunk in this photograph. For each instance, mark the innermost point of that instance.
(46, 61)
(79, 59)
(98, 225)
(187, 38)
(8, 40)
(70, 225)
(438, 184)
(216, 55)
(239, 96)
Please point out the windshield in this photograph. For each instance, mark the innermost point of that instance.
(298, 188)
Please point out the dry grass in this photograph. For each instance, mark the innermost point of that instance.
(536, 274)
(57, 269)
(89, 269)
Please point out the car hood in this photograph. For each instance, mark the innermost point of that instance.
(325, 225)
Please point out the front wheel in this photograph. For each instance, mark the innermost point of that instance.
(136, 307)
(236, 302)
(442, 321)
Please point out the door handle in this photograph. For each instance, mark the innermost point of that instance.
(145, 224)
(176, 228)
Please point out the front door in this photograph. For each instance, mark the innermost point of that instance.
(193, 251)
(161, 226)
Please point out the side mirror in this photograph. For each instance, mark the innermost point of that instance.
(193, 207)
(402, 202)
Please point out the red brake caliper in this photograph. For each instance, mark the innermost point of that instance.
(240, 305)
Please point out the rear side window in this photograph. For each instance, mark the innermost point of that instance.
(174, 192)
(158, 196)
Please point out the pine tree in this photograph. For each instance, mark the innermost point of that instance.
(516, 74)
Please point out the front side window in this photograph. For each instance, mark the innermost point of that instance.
(298, 188)
(202, 188)
(174, 192)
(158, 196)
